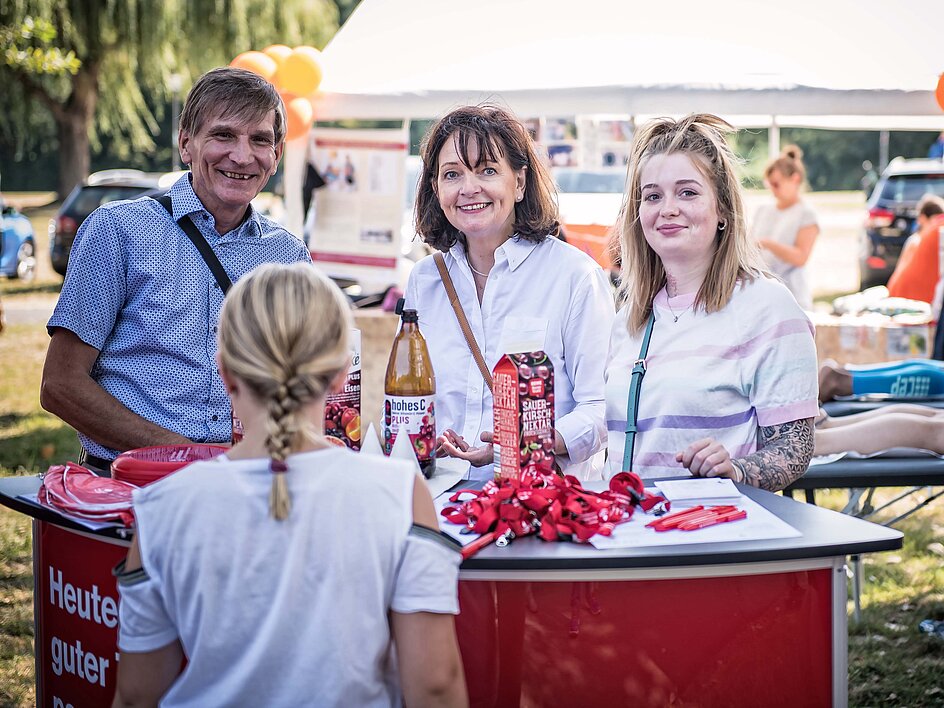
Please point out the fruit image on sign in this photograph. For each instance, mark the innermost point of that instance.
(342, 418)
(415, 416)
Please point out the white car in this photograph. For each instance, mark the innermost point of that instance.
(590, 202)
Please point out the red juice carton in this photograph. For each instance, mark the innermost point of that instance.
(342, 422)
(523, 410)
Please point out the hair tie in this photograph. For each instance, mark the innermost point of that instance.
(278, 466)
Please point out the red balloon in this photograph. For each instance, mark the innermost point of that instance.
(939, 94)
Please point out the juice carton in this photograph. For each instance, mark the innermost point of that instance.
(523, 409)
(343, 409)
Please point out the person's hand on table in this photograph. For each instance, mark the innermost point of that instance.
(708, 458)
(451, 444)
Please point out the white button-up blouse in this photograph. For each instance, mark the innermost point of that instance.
(532, 286)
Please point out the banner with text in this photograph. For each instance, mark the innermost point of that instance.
(359, 212)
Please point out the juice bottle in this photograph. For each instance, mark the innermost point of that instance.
(409, 390)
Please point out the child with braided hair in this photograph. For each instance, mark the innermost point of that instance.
(284, 570)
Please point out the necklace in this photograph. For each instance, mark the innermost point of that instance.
(472, 267)
(674, 316)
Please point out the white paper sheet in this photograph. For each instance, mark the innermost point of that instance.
(707, 490)
(760, 524)
(449, 472)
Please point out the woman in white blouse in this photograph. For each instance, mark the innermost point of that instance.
(486, 201)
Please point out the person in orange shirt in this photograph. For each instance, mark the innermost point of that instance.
(918, 266)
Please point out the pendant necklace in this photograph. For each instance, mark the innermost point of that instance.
(472, 268)
(667, 302)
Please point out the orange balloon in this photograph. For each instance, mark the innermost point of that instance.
(278, 52)
(300, 72)
(939, 94)
(257, 63)
(299, 114)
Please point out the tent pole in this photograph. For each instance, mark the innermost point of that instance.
(882, 150)
(773, 139)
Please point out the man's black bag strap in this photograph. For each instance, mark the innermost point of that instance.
(193, 233)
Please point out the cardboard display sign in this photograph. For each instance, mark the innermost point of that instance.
(523, 409)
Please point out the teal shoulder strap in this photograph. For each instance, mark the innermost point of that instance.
(632, 402)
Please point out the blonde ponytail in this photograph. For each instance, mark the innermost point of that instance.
(283, 332)
(280, 502)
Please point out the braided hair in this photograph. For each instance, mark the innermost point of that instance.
(284, 333)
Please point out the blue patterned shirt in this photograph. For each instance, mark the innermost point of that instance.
(138, 290)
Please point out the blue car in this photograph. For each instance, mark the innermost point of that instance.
(17, 244)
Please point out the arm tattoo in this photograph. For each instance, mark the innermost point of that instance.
(784, 454)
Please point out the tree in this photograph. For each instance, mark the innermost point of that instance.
(123, 53)
(345, 8)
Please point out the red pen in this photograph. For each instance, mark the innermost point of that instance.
(721, 518)
(690, 518)
(477, 545)
(670, 520)
(696, 513)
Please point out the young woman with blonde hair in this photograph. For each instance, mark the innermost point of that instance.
(284, 570)
(724, 360)
(787, 229)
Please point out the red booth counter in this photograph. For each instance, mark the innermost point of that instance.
(749, 623)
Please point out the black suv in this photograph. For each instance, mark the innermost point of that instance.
(892, 210)
(100, 187)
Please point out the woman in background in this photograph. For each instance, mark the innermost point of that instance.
(729, 386)
(261, 567)
(787, 229)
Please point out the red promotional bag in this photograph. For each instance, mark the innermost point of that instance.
(145, 465)
(77, 491)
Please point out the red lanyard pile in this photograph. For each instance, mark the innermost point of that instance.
(556, 508)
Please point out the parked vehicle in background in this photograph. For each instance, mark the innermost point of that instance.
(99, 188)
(892, 210)
(590, 203)
(17, 244)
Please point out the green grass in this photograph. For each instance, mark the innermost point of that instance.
(16, 611)
(30, 441)
(30, 438)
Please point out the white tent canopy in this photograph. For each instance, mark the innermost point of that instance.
(818, 63)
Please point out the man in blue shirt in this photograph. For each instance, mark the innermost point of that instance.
(131, 361)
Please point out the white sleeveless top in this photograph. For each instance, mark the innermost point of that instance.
(280, 613)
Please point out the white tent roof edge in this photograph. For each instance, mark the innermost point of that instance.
(806, 107)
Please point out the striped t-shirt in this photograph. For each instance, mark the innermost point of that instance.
(720, 375)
